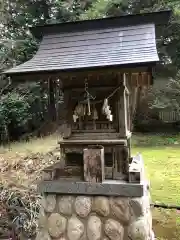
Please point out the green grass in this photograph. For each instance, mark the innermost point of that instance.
(163, 168)
(162, 162)
(35, 145)
(161, 156)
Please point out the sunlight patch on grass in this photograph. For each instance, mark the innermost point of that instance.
(36, 145)
(163, 170)
(156, 139)
(165, 224)
(161, 155)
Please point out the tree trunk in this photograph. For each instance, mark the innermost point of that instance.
(52, 101)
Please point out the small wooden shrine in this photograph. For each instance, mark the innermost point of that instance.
(100, 64)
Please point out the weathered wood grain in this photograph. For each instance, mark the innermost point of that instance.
(109, 188)
(94, 164)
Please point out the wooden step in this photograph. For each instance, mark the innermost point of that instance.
(93, 142)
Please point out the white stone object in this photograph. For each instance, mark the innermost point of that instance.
(114, 230)
(83, 206)
(94, 228)
(101, 206)
(49, 203)
(66, 205)
(75, 228)
(139, 229)
(56, 225)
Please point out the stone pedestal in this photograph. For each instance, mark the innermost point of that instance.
(111, 210)
(95, 217)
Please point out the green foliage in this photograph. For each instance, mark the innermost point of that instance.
(168, 97)
(98, 10)
(103, 8)
(14, 109)
(71, 10)
(23, 109)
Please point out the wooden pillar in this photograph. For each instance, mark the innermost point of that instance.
(133, 106)
(94, 164)
(65, 114)
(122, 105)
(118, 163)
(128, 111)
(129, 146)
(125, 153)
(52, 101)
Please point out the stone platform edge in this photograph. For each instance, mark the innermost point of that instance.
(96, 189)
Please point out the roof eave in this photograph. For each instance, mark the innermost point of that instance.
(54, 71)
(158, 18)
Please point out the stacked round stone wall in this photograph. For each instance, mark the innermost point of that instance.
(95, 218)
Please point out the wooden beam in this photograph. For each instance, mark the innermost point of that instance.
(91, 88)
(79, 73)
(128, 112)
(59, 171)
(64, 172)
(94, 141)
(122, 105)
(94, 164)
(107, 188)
(94, 131)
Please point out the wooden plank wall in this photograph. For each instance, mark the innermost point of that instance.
(169, 116)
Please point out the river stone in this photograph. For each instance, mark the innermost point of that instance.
(138, 229)
(43, 235)
(137, 207)
(149, 221)
(83, 206)
(147, 203)
(101, 206)
(42, 221)
(56, 225)
(149, 217)
(94, 228)
(152, 236)
(75, 228)
(46, 176)
(114, 230)
(121, 209)
(49, 203)
(66, 205)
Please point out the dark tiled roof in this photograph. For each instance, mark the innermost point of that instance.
(107, 47)
(91, 47)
